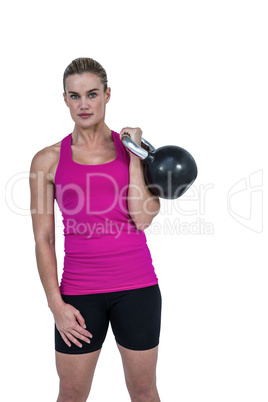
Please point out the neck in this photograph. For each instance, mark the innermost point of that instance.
(96, 134)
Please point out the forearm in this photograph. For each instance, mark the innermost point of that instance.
(142, 204)
(47, 267)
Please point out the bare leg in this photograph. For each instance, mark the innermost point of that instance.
(140, 374)
(76, 375)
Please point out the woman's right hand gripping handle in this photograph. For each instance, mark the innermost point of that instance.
(71, 325)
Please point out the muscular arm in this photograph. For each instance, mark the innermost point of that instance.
(143, 206)
(42, 211)
(68, 319)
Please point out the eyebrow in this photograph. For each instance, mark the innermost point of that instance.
(76, 93)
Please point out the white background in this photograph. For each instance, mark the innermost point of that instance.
(189, 73)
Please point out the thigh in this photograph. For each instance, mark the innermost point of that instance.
(76, 372)
(94, 310)
(139, 368)
(136, 318)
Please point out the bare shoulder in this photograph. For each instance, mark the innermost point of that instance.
(46, 160)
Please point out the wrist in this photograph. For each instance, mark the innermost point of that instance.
(135, 160)
(55, 302)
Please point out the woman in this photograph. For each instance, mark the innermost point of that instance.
(108, 274)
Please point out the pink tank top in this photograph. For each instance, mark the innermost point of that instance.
(104, 252)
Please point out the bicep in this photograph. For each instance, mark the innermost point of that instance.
(42, 200)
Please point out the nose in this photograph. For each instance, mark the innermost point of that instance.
(83, 103)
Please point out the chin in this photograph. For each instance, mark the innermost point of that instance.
(85, 124)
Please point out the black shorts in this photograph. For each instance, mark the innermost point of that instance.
(135, 317)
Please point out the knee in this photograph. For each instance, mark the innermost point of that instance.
(143, 392)
(69, 393)
(144, 396)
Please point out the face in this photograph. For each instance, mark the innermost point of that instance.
(86, 99)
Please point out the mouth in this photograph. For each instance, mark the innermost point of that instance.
(85, 115)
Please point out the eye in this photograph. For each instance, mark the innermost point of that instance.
(74, 96)
(93, 95)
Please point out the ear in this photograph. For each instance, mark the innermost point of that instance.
(65, 99)
(107, 95)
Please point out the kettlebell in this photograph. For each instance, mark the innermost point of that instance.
(169, 171)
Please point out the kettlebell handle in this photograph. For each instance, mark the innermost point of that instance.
(136, 149)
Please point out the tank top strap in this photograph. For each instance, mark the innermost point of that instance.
(65, 150)
(120, 147)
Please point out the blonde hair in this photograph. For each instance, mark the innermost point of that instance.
(85, 65)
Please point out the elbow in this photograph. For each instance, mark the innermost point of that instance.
(45, 240)
(142, 224)
(143, 220)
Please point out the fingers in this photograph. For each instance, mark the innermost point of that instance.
(78, 330)
(82, 323)
(124, 131)
(80, 318)
(80, 336)
(64, 337)
(72, 327)
(131, 131)
(73, 336)
(67, 337)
